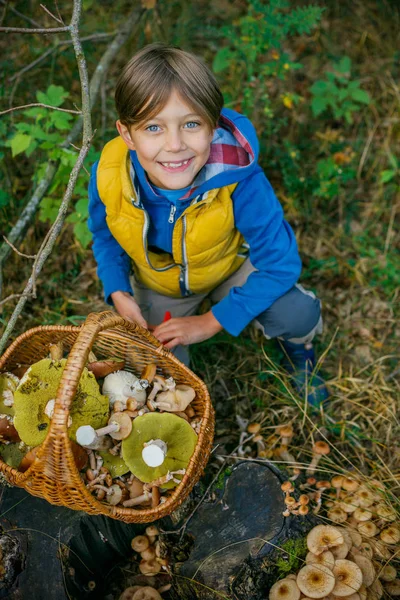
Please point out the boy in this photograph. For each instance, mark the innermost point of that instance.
(179, 196)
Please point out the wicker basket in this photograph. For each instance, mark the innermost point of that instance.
(53, 475)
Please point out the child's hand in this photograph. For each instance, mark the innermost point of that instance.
(128, 308)
(187, 330)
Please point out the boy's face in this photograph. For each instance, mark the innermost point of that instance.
(171, 147)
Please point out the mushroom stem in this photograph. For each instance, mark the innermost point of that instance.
(154, 453)
(138, 500)
(56, 351)
(88, 437)
(164, 479)
(313, 464)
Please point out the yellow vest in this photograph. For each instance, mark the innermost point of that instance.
(205, 243)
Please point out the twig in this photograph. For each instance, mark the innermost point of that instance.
(43, 30)
(17, 251)
(127, 29)
(3, 16)
(19, 14)
(50, 240)
(73, 112)
(51, 14)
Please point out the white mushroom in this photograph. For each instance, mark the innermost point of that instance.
(121, 385)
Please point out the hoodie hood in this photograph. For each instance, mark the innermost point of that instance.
(233, 157)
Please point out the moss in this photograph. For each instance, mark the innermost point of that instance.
(219, 484)
(39, 385)
(291, 556)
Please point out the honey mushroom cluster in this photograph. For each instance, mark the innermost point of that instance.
(336, 568)
(125, 456)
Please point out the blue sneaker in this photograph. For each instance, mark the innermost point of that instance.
(299, 360)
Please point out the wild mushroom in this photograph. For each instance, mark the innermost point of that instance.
(102, 368)
(254, 428)
(350, 485)
(386, 513)
(364, 496)
(119, 427)
(390, 535)
(175, 398)
(149, 372)
(367, 569)
(140, 543)
(159, 384)
(375, 591)
(348, 578)
(362, 514)
(286, 589)
(340, 551)
(367, 528)
(315, 581)
(146, 593)
(114, 463)
(122, 385)
(113, 493)
(39, 385)
(286, 434)
(393, 587)
(152, 533)
(319, 450)
(149, 567)
(323, 537)
(160, 439)
(56, 351)
(8, 384)
(387, 573)
(337, 482)
(337, 515)
(326, 559)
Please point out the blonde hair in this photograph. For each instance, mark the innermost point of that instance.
(153, 73)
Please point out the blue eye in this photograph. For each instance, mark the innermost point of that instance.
(152, 128)
(192, 124)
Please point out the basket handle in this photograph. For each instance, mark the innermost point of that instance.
(77, 358)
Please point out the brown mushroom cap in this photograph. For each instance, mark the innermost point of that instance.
(326, 559)
(356, 537)
(146, 593)
(367, 569)
(129, 592)
(362, 514)
(348, 578)
(375, 591)
(286, 589)
(390, 535)
(386, 513)
(365, 497)
(337, 515)
(350, 485)
(321, 448)
(322, 538)
(387, 573)
(315, 581)
(148, 554)
(340, 551)
(254, 428)
(393, 587)
(114, 495)
(125, 425)
(149, 567)
(140, 543)
(367, 528)
(102, 368)
(152, 530)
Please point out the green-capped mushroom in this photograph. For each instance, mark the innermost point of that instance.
(160, 439)
(115, 464)
(39, 386)
(12, 454)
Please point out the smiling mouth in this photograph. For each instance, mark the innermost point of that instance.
(176, 165)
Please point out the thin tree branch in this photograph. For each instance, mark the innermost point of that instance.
(50, 240)
(58, 44)
(19, 14)
(43, 30)
(127, 29)
(73, 112)
(51, 14)
(16, 250)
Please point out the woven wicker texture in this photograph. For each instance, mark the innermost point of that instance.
(53, 475)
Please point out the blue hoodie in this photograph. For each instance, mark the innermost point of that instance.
(258, 216)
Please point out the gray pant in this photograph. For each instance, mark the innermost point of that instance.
(295, 316)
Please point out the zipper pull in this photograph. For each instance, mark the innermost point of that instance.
(172, 214)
